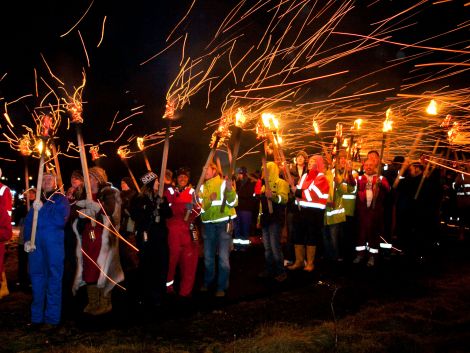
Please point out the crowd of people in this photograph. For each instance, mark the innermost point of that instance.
(150, 237)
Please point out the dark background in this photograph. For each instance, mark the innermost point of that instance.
(137, 30)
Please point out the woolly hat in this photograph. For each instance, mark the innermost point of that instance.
(99, 174)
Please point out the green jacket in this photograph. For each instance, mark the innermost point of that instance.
(279, 187)
(210, 210)
(343, 195)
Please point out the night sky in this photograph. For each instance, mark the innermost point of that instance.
(137, 30)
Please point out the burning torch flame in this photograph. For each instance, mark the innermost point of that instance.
(270, 121)
(75, 110)
(94, 151)
(123, 152)
(169, 110)
(40, 146)
(432, 108)
(316, 128)
(240, 118)
(140, 143)
(387, 126)
(339, 130)
(357, 124)
(446, 121)
(453, 132)
(24, 146)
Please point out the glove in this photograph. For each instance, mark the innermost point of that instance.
(28, 247)
(93, 205)
(37, 205)
(81, 203)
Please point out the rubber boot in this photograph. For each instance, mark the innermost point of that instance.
(310, 258)
(299, 258)
(93, 299)
(105, 305)
(4, 286)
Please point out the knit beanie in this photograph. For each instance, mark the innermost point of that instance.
(99, 174)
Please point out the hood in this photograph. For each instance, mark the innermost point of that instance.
(273, 172)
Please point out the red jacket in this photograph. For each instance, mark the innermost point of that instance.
(179, 202)
(312, 190)
(5, 213)
(378, 189)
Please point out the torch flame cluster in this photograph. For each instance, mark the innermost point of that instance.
(75, 109)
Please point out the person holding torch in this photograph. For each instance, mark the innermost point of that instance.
(46, 255)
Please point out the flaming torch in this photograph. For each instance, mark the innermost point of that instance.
(217, 138)
(75, 109)
(387, 126)
(25, 150)
(240, 119)
(354, 129)
(55, 155)
(123, 153)
(95, 155)
(168, 116)
(44, 134)
(262, 134)
(140, 145)
(316, 130)
(272, 125)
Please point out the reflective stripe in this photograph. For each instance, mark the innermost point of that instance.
(307, 196)
(169, 284)
(466, 185)
(9, 213)
(191, 191)
(373, 251)
(310, 204)
(216, 203)
(241, 241)
(360, 248)
(172, 192)
(169, 204)
(231, 204)
(349, 197)
(301, 181)
(318, 192)
(338, 211)
(2, 190)
(385, 245)
(279, 199)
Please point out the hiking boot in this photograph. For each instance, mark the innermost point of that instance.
(371, 262)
